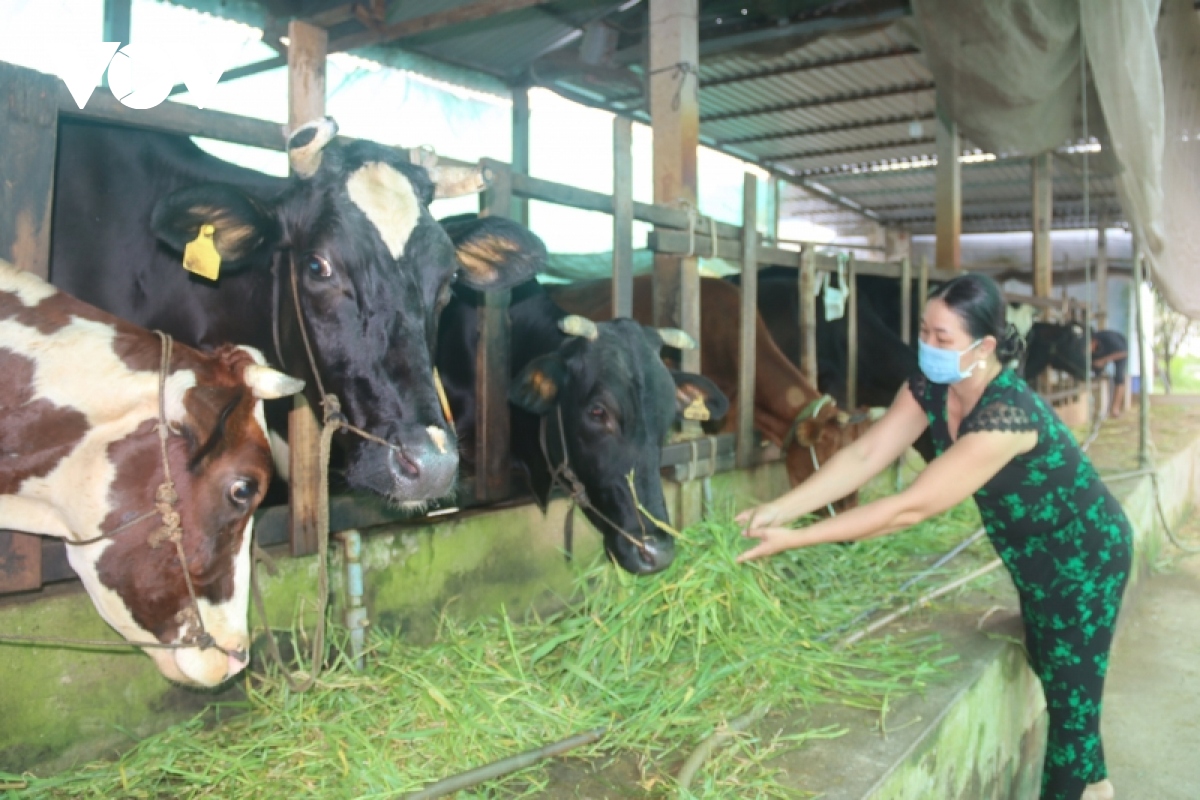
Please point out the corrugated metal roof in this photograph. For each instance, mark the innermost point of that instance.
(830, 110)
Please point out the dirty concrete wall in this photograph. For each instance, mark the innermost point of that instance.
(62, 706)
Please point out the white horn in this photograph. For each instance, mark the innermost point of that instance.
(423, 156)
(574, 325)
(673, 337)
(306, 144)
(270, 384)
(454, 181)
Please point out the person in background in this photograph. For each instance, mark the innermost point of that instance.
(1110, 347)
(1063, 537)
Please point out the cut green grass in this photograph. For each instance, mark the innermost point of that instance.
(661, 662)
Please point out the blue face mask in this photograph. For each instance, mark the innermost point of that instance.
(941, 365)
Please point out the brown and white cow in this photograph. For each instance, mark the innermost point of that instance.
(80, 458)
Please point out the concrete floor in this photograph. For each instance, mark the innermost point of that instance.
(1151, 723)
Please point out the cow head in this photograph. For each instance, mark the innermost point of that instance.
(355, 252)
(1058, 346)
(220, 464)
(616, 401)
(819, 430)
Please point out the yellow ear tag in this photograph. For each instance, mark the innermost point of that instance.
(697, 410)
(200, 255)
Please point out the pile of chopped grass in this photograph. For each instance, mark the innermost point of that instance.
(661, 662)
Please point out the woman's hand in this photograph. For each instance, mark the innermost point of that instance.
(770, 542)
(766, 515)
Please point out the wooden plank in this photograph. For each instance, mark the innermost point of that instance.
(747, 346)
(948, 199)
(492, 364)
(20, 562)
(28, 131)
(906, 300)
(520, 148)
(1042, 178)
(622, 284)
(674, 68)
(852, 334)
(666, 216)
(808, 314)
(774, 206)
(306, 102)
(471, 12)
(492, 434)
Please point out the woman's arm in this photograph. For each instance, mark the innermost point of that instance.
(953, 477)
(850, 467)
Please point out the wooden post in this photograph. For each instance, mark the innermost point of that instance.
(1043, 209)
(1102, 272)
(852, 334)
(1145, 365)
(622, 283)
(923, 284)
(117, 21)
(948, 211)
(492, 366)
(28, 130)
(675, 117)
(808, 314)
(306, 102)
(749, 316)
(520, 148)
(774, 203)
(906, 300)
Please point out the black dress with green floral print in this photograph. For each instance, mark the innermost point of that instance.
(1068, 546)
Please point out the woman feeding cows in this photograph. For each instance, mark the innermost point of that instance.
(1062, 535)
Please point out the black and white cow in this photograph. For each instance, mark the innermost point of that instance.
(80, 460)
(350, 235)
(1060, 346)
(605, 382)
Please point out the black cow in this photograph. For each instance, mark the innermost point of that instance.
(1050, 344)
(348, 243)
(885, 362)
(604, 383)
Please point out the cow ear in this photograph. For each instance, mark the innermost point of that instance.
(536, 389)
(493, 252)
(244, 232)
(698, 398)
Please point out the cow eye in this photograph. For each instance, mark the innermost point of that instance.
(319, 267)
(598, 412)
(242, 491)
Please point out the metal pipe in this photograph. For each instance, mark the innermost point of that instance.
(356, 612)
(505, 766)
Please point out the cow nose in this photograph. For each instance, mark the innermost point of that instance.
(652, 558)
(237, 660)
(402, 466)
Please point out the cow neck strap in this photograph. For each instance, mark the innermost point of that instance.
(563, 475)
(166, 501)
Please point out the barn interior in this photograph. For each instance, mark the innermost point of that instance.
(899, 138)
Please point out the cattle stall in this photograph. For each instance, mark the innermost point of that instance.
(28, 124)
